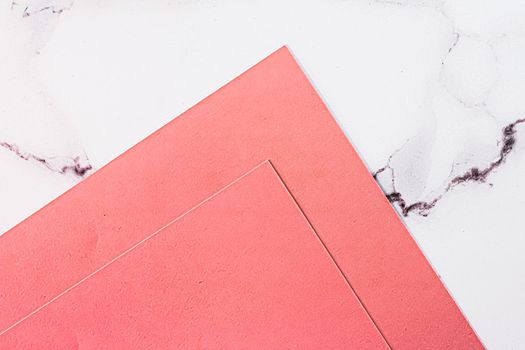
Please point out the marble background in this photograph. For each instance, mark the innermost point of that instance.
(430, 92)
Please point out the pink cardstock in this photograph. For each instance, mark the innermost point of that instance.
(241, 270)
(269, 112)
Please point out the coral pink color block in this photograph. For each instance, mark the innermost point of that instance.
(241, 270)
(269, 112)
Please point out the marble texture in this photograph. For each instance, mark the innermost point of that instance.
(430, 92)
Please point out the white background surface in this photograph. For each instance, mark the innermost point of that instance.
(436, 80)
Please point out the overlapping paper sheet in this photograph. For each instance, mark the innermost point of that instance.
(242, 269)
(269, 112)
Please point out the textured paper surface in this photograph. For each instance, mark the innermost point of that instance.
(269, 112)
(242, 270)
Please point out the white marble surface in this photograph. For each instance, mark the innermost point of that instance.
(431, 82)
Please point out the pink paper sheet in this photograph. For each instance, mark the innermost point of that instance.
(269, 112)
(241, 270)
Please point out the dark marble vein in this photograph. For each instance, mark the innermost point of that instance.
(474, 174)
(62, 165)
(53, 8)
